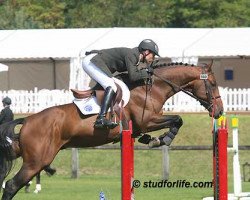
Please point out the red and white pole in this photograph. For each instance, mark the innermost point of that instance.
(220, 162)
(127, 162)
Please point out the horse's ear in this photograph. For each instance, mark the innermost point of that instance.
(209, 66)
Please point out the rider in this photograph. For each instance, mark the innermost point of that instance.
(6, 113)
(100, 65)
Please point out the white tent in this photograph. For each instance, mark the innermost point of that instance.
(52, 45)
(173, 42)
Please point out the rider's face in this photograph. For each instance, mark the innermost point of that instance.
(149, 56)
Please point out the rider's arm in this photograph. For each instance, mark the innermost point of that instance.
(134, 72)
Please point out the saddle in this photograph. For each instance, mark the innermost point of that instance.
(116, 105)
(99, 94)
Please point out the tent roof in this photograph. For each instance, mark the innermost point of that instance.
(222, 42)
(173, 42)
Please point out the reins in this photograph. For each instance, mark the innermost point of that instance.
(148, 83)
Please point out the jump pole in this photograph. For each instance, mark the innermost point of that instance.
(220, 139)
(236, 162)
(220, 152)
(127, 164)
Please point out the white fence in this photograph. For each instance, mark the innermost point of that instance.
(24, 101)
(35, 101)
(233, 100)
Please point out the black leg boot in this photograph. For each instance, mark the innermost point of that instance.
(101, 121)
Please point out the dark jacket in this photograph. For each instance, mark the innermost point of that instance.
(120, 60)
(6, 115)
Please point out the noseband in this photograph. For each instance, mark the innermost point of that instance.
(203, 76)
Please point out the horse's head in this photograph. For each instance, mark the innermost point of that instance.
(205, 88)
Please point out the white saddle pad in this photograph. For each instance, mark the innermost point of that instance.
(90, 106)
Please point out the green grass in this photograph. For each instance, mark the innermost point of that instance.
(100, 169)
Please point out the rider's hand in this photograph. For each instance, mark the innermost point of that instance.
(150, 70)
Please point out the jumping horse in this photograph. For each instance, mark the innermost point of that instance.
(44, 134)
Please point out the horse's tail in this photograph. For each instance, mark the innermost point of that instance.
(7, 154)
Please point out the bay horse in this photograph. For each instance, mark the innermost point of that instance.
(44, 134)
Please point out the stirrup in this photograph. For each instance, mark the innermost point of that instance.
(103, 123)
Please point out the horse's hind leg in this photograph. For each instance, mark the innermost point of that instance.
(3, 171)
(2, 176)
(27, 187)
(49, 171)
(13, 185)
(38, 183)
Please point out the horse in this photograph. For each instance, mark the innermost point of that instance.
(45, 133)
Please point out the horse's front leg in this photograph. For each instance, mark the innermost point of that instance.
(158, 122)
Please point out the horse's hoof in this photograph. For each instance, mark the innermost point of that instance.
(154, 142)
(145, 139)
(36, 191)
(27, 190)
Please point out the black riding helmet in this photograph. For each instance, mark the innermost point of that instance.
(6, 100)
(149, 44)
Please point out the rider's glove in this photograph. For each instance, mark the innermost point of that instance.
(150, 70)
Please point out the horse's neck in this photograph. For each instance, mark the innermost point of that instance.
(161, 90)
(181, 75)
(178, 75)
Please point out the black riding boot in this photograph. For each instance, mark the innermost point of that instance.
(101, 121)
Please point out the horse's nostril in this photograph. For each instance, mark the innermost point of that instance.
(221, 112)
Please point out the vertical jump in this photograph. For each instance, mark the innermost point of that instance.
(220, 137)
(127, 164)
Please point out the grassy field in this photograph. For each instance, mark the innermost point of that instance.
(100, 169)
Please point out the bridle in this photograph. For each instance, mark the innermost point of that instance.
(209, 105)
(204, 76)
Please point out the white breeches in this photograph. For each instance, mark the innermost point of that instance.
(97, 74)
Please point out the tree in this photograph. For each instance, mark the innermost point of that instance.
(45, 14)
(210, 13)
(123, 13)
(32, 14)
(12, 16)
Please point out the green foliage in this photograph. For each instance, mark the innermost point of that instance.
(46, 14)
(28, 14)
(25, 14)
(211, 13)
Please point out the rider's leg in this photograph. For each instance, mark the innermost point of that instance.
(101, 121)
(110, 90)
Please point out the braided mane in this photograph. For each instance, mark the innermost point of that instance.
(171, 64)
